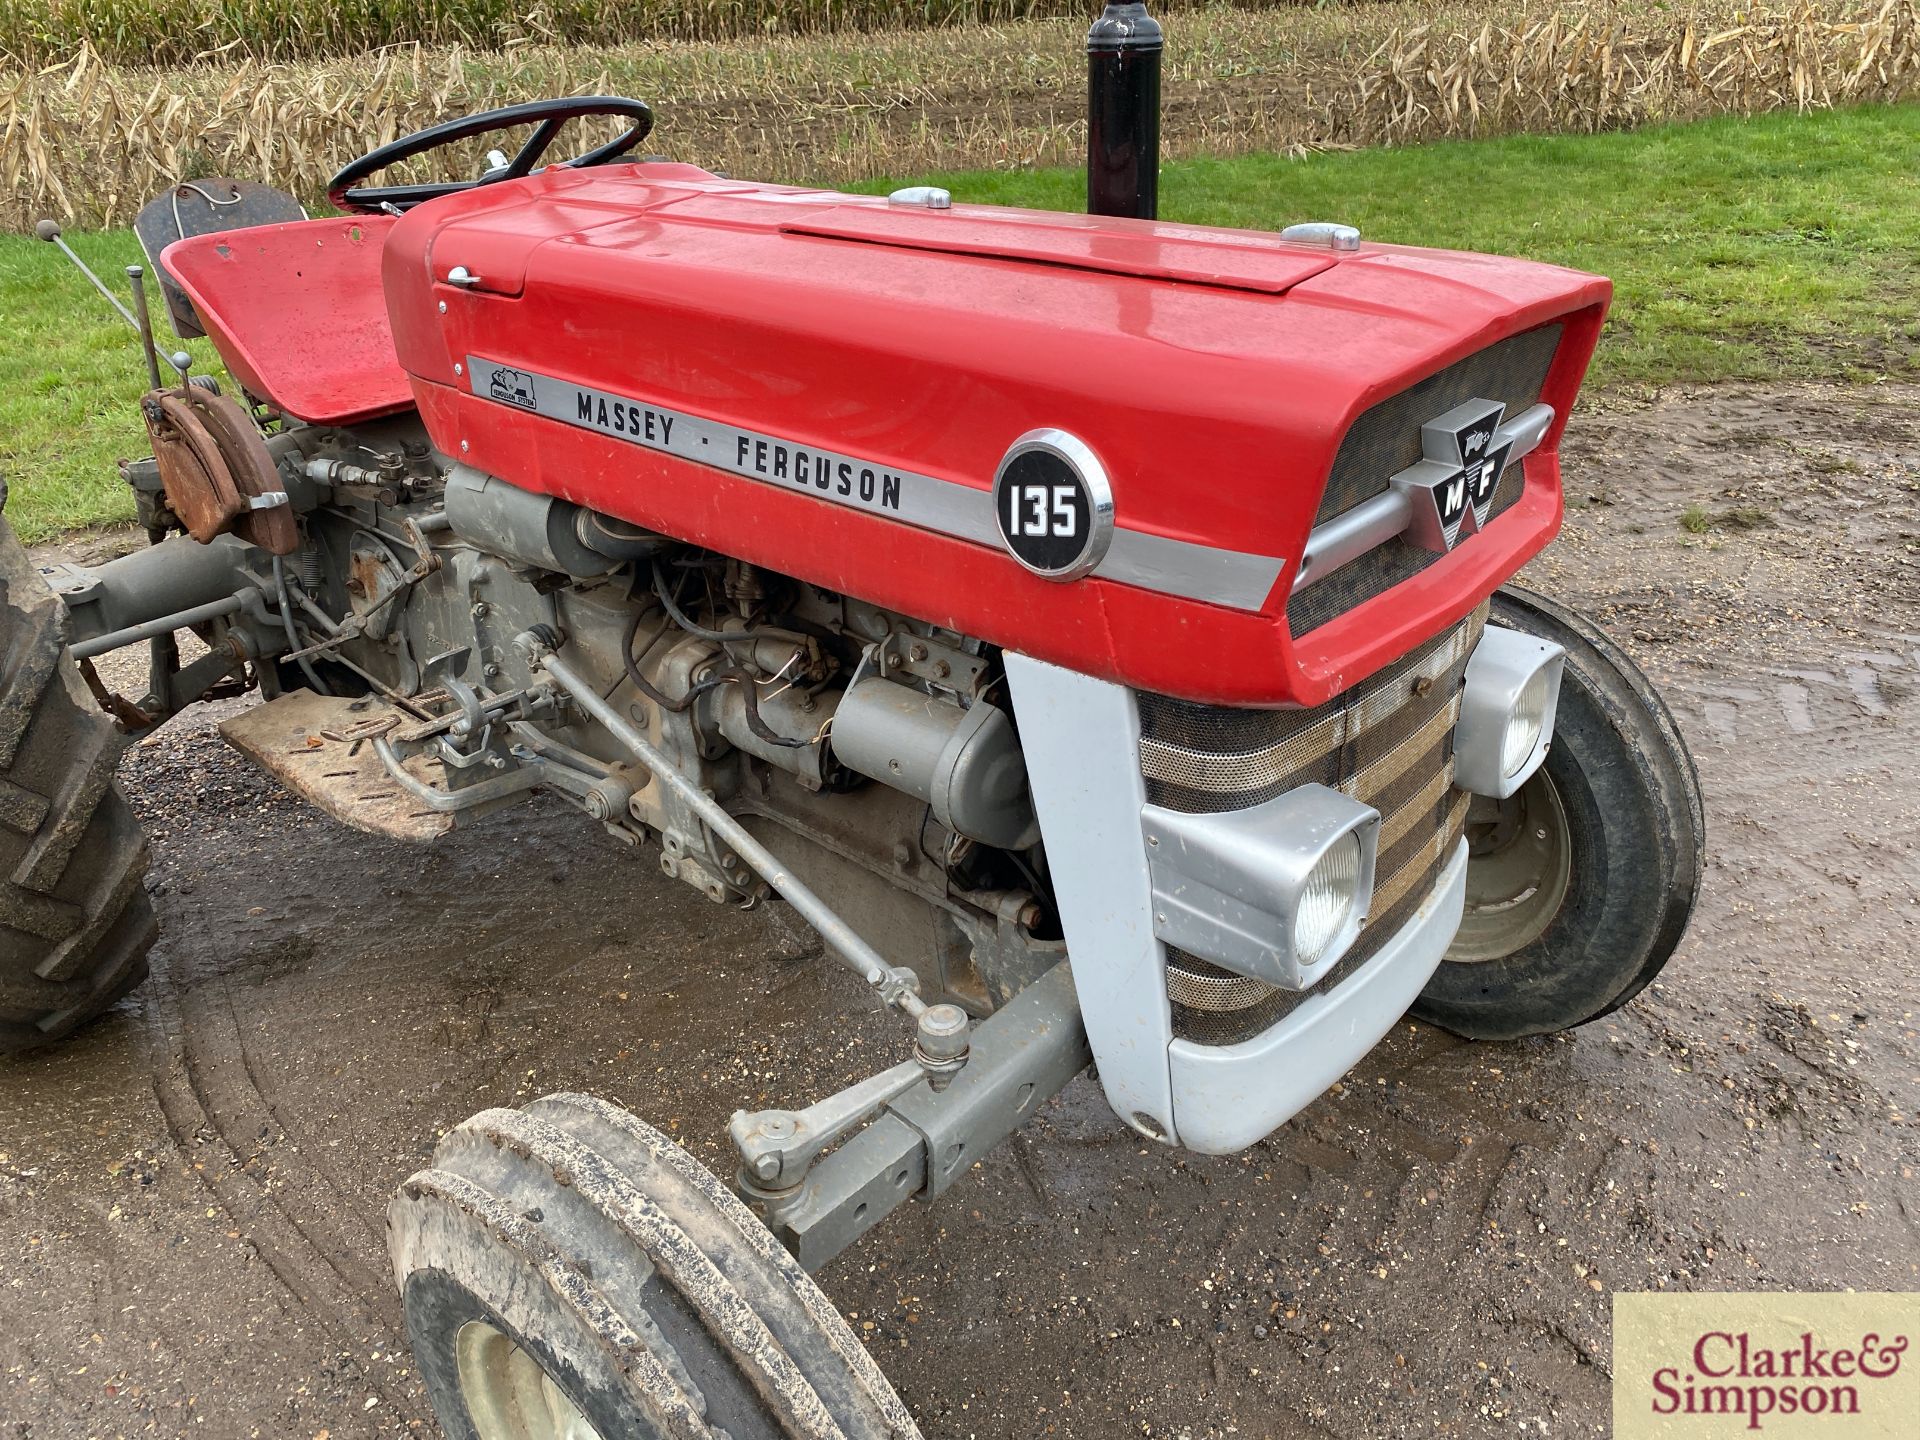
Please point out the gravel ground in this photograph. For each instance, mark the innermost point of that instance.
(192, 1193)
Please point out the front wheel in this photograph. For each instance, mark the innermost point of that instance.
(569, 1273)
(1580, 885)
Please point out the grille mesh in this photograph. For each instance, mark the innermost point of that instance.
(1386, 440)
(1388, 742)
(1203, 759)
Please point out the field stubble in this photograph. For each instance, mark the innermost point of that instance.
(89, 141)
(179, 32)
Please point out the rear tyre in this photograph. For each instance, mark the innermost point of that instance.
(75, 920)
(1580, 885)
(569, 1273)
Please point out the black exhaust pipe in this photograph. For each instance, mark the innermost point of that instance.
(1123, 112)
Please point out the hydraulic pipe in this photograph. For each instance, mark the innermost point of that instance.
(1123, 112)
(894, 985)
(452, 802)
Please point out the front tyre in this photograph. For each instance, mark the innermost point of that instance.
(1580, 885)
(569, 1273)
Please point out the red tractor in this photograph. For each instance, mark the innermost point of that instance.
(1096, 629)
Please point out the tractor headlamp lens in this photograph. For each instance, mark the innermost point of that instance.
(1523, 726)
(1327, 899)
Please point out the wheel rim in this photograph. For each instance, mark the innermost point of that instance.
(509, 1395)
(1519, 862)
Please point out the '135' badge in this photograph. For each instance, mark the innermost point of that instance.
(1053, 504)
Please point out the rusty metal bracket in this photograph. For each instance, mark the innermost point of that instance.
(130, 715)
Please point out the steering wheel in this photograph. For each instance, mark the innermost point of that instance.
(547, 117)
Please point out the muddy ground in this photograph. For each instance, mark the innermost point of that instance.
(191, 1194)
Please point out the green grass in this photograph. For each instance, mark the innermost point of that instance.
(71, 378)
(1782, 247)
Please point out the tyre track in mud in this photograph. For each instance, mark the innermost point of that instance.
(224, 1126)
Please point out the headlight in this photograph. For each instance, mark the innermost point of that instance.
(1326, 900)
(1507, 707)
(1523, 728)
(1275, 892)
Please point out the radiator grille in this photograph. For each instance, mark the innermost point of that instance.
(1388, 742)
(1386, 440)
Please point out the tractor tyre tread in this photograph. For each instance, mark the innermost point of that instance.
(1621, 767)
(75, 919)
(598, 1247)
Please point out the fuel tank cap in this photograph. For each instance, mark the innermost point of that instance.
(926, 197)
(1323, 232)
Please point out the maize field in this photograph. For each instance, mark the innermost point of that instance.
(180, 32)
(87, 141)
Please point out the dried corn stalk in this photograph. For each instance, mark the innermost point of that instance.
(87, 141)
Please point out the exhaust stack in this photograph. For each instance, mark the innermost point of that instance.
(1123, 112)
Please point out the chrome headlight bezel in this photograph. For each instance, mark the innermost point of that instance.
(1228, 887)
(1512, 681)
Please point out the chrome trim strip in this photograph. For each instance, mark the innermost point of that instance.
(1525, 431)
(1232, 578)
(1351, 534)
(1372, 523)
(1160, 563)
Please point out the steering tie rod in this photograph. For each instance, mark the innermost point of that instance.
(941, 1039)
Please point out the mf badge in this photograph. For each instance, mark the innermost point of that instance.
(1451, 488)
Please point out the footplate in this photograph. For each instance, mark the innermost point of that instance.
(321, 748)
